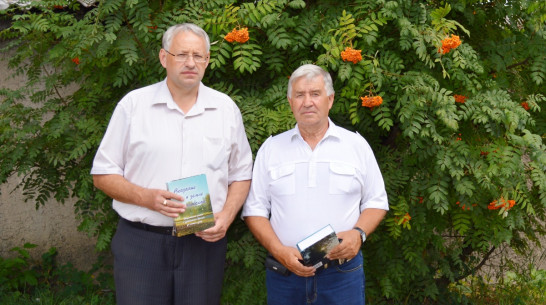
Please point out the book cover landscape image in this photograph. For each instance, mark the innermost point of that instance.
(314, 248)
(198, 215)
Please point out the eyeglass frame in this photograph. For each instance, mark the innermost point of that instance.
(188, 56)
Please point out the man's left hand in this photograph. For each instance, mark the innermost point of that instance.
(222, 223)
(349, 246)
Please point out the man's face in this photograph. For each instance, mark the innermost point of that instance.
(185, 75)
(309, 102)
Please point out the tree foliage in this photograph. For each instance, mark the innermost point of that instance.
(450, 167)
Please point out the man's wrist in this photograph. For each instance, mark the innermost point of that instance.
(362, 234)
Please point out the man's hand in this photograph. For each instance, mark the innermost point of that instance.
(236, 196)
(119, 188)
(222, 222)
(349, 246)
(163, 202)
(290, 258)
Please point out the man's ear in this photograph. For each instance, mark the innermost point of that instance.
(290, 102)
(331, 101)
(208, 60)
(163, 58)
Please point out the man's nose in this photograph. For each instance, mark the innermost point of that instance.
(190, 62)
(307, 100)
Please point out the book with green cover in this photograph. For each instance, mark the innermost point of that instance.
(198, 215)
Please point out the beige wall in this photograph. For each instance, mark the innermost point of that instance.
(52, 225)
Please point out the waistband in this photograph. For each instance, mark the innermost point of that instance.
(149, 228)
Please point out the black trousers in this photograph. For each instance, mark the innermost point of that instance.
(153, 268)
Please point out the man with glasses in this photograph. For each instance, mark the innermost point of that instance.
(166, 131)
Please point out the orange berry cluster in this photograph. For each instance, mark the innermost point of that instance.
(351, 54)
(449, 43)
(460, 98)
(504, 204)
(525, 105)
(406, 218)
(465, 207)
(371, 101)
(241, 36)
(76, 60)
(459, 138)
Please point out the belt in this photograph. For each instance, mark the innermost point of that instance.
(149, 228)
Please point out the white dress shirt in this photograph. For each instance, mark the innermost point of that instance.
(150, 141)
(302, 190)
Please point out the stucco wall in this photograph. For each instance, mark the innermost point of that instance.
(52, 225)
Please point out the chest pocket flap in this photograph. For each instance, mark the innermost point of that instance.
(281, 171)
(342, 169)
(342, 178)
(283, 179)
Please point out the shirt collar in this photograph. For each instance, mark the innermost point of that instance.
(332, 131)
(163, 96)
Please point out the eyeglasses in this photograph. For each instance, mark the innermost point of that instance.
(198, 58)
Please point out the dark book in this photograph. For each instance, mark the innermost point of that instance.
(314, 248)
(198, 215)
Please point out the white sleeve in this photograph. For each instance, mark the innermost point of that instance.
(258, 202)
(374, 194)
(240, 159)
(110, 157)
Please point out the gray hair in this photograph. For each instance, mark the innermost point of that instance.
(184, 27)
(311, 71)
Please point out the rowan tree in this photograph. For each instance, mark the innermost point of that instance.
(448, 94)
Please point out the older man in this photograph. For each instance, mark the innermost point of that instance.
(169, 130)
(306, 178)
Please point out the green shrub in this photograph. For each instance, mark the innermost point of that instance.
(24, 280)
(19, 273)
(445, 163)
(513, 289)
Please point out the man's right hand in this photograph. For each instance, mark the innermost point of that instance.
(162, 202)
(291, 259)
(120, 189)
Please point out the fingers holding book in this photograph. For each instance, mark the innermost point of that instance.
(169, 204)
(349, 246)
(292, 259)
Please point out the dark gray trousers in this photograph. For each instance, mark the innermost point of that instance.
(152, 268)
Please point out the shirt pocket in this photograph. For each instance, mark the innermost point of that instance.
(214, 152)
(342, 178)
(283, 179)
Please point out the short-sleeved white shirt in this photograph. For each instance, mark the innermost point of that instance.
(150, 141)
(302, 190)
